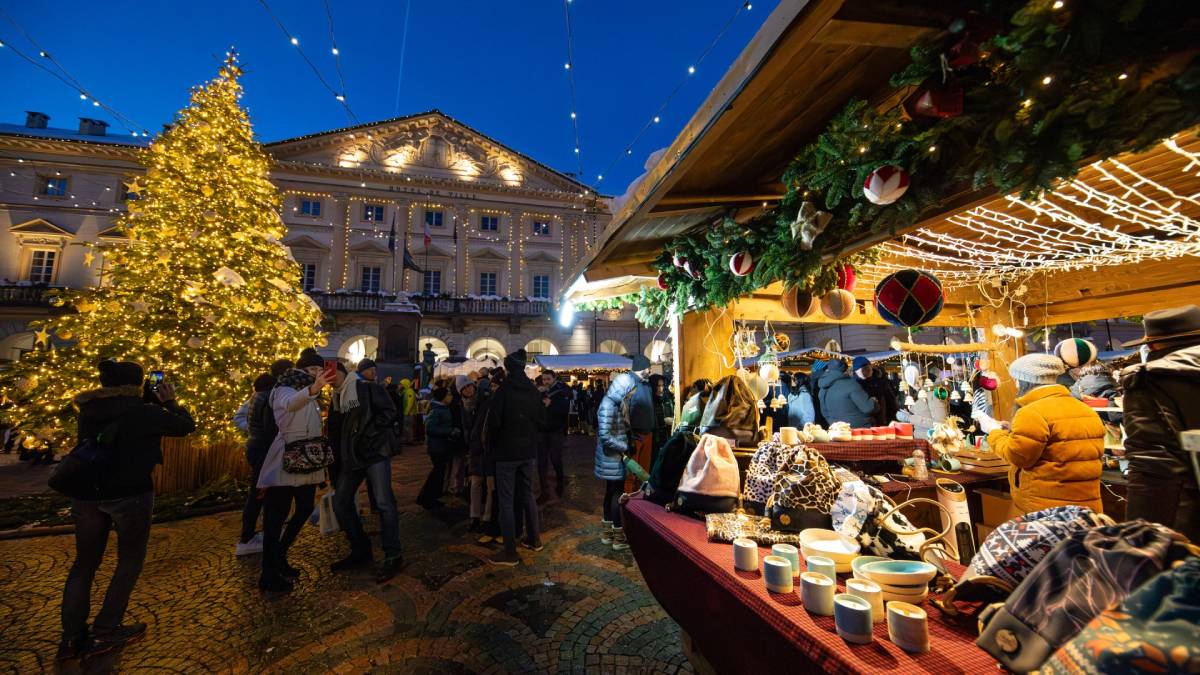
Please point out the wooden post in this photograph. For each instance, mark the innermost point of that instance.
(703, 338)
(1008, 350)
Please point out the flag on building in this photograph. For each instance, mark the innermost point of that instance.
(392, 235)
(428, 232)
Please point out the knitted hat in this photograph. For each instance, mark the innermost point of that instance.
(309, 358)
(462, 382)
(640, 363)
(365, 364)
(117, 373)
(1037, 368)
(859, 363)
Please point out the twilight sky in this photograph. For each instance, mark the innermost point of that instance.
(497, 66)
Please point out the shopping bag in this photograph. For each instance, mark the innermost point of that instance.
(328, 519)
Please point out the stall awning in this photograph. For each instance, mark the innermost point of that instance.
(876, 357)
(807, 353)
(597, 362)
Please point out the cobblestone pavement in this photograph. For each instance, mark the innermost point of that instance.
(577, 606)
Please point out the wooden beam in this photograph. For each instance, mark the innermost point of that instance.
(709, 200)
(760, 309)
(1112, 292)
(870, 33)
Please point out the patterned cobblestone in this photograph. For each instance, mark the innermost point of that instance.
(575, 607)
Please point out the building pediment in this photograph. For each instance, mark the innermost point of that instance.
(41, 226)
(488, 253)
(304, 241)
(540, 256)
(370, 246)
(429, 144)
(112, 232)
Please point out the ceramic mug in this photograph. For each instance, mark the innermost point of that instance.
(791, 553)
(777, 573)
(789, 435)
(745, 555)
(816, 593)
(822, 565)
(871, 592)
(908, 626)
(852, 618)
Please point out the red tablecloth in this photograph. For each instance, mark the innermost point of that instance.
(964, 478)
(872, 451)
(741, 628)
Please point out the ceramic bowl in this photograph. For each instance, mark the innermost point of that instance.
(856, 565)
(840, 567)
(899, 572)
(904, 589)
(834, 545)
(915, 599)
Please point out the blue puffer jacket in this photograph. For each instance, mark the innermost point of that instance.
(800, 409)
(843, 399)
(612, 421)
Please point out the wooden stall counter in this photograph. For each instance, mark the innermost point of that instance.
(733, 624)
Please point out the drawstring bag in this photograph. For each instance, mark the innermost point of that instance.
(803, 493)
(1085, 574)
(669, 465)
(732, 412)
(710, 479)
(760, 475)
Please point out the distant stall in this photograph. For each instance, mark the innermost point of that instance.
(583, 365)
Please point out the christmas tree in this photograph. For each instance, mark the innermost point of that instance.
(203, 289)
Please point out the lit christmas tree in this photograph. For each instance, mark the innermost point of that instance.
(203, 290)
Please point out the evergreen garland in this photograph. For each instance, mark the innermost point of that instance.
(1122, 75)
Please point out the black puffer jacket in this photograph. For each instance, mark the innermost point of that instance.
(559, 408)
(517, 415)
(1162, 398)
(364, 434)
(139, 431)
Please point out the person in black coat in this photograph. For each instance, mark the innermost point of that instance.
(258, 440)
(518, 414)
(557, 397)
(133, 421)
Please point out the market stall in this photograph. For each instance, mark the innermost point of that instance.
(583, 365)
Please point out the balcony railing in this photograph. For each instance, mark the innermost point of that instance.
(25, 296)
(350, 302)
(371, 302)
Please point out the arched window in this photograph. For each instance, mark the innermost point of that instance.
(13, 346)
(358, 348)
(541, 347)
(485, 348)
(613, 347)
(439, 347)
(658, 351)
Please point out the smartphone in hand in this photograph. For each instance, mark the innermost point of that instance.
(155, 379)
(330, 368)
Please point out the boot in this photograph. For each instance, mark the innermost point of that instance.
(618, 539)
(606, 532)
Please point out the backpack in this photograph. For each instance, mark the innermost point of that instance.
(710, 480)
(669, 465)
(1082, 576)
(79, 474)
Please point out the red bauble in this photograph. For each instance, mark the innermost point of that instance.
(741, 263)
(885, 184)
(662, 281)
(935, 100)
(846, 278)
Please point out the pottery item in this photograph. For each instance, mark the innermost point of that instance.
(852, 618)
(745, 555)
(908, 626)
(857, 564)
(816, 593)
(822, 565)
(777, 573)
(791, 554)
(899, 572)
(868, 590)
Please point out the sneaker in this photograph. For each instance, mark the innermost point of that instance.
(505, 559)
(618, 539)
(606, 532)
(533, 547)
(486, 539)
(72, 649)
(274, 584)
(251, 547)
(390, 567)
(108, 640)
(355, 559)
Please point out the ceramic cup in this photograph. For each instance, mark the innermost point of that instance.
(908, 626)
(791, 553)
(852, 617)
(745, 555)
(789, 435)
(871, 592)
(777, 573)
(816, 593)
(822, 565)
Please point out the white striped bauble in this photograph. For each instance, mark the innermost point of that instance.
(885, 184)
(741, 263)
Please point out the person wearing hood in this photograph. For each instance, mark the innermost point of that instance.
(1162, 399)
(517, 416)
(441, 438)
(800, 407)
(874, 381)
(407, 407)
(1055, 443)
(133, 421)
(616, 439)
(843, 399)
(361, 424)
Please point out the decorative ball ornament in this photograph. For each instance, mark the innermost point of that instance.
(798, 303)
(678, 261)
(909, 298)
(662, 282)
(885, 184)
(1076, 352)
(982, 363)
(693, 270)
(195, 342)
(741, 263)
(838, 304)
(941, 393)
(911, 373)
(846, 278)
(769, 372)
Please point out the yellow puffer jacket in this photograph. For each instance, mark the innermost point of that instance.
(1054, 447)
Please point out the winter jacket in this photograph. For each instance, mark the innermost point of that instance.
(1101, 385)
(560, 407)
(299, 418)
(137, 442)
(408, 399)
(800, 409)
(516, 416)
(241, 418)
(1162, 397)
(364, 434)
(474, 413)
(881, 389)
(612, 421)
(1054, 448)
(814, 386)
(642, 413)
(925, 413)
(440, 435)
(843, 399)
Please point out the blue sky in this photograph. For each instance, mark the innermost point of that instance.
(496, 66)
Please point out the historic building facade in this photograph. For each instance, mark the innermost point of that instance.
(492, 230)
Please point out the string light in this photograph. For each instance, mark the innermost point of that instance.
(571, 86)
(339, 96)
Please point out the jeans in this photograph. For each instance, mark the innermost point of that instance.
(253, 505)
(379, 484)
(434, 484)
(482, 489)
(550, 451)
(514, 484)
(276, 538)
(130, 517)
(613, 489)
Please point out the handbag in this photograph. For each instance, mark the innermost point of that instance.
(725, 527)
(78, 475)
(803, 492)
(731, 411)
(669, 465)
(1085, 574)
(710, 481)
(307, 456)
(760, 475)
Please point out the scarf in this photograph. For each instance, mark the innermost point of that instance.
(295, 379)
(347, 397)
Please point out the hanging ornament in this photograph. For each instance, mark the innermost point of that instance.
(768, 372)
(909, 401)
(909, 298)
(195, 342)
(1075, 352)
(783, 342)
(809, 224)
(955, 396)
(989, 381)
(678, 261)
(846, 278)
(692, 270)
(741, 263)
(982, 363)
(228, 277)
(935, 100)
(798, 303)
(662, 282)
(922, 395)
(885, 184)
(210, 215)
(911, 373)
(837, 304)
(965, 387)
(758, 386)
(279, 283)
